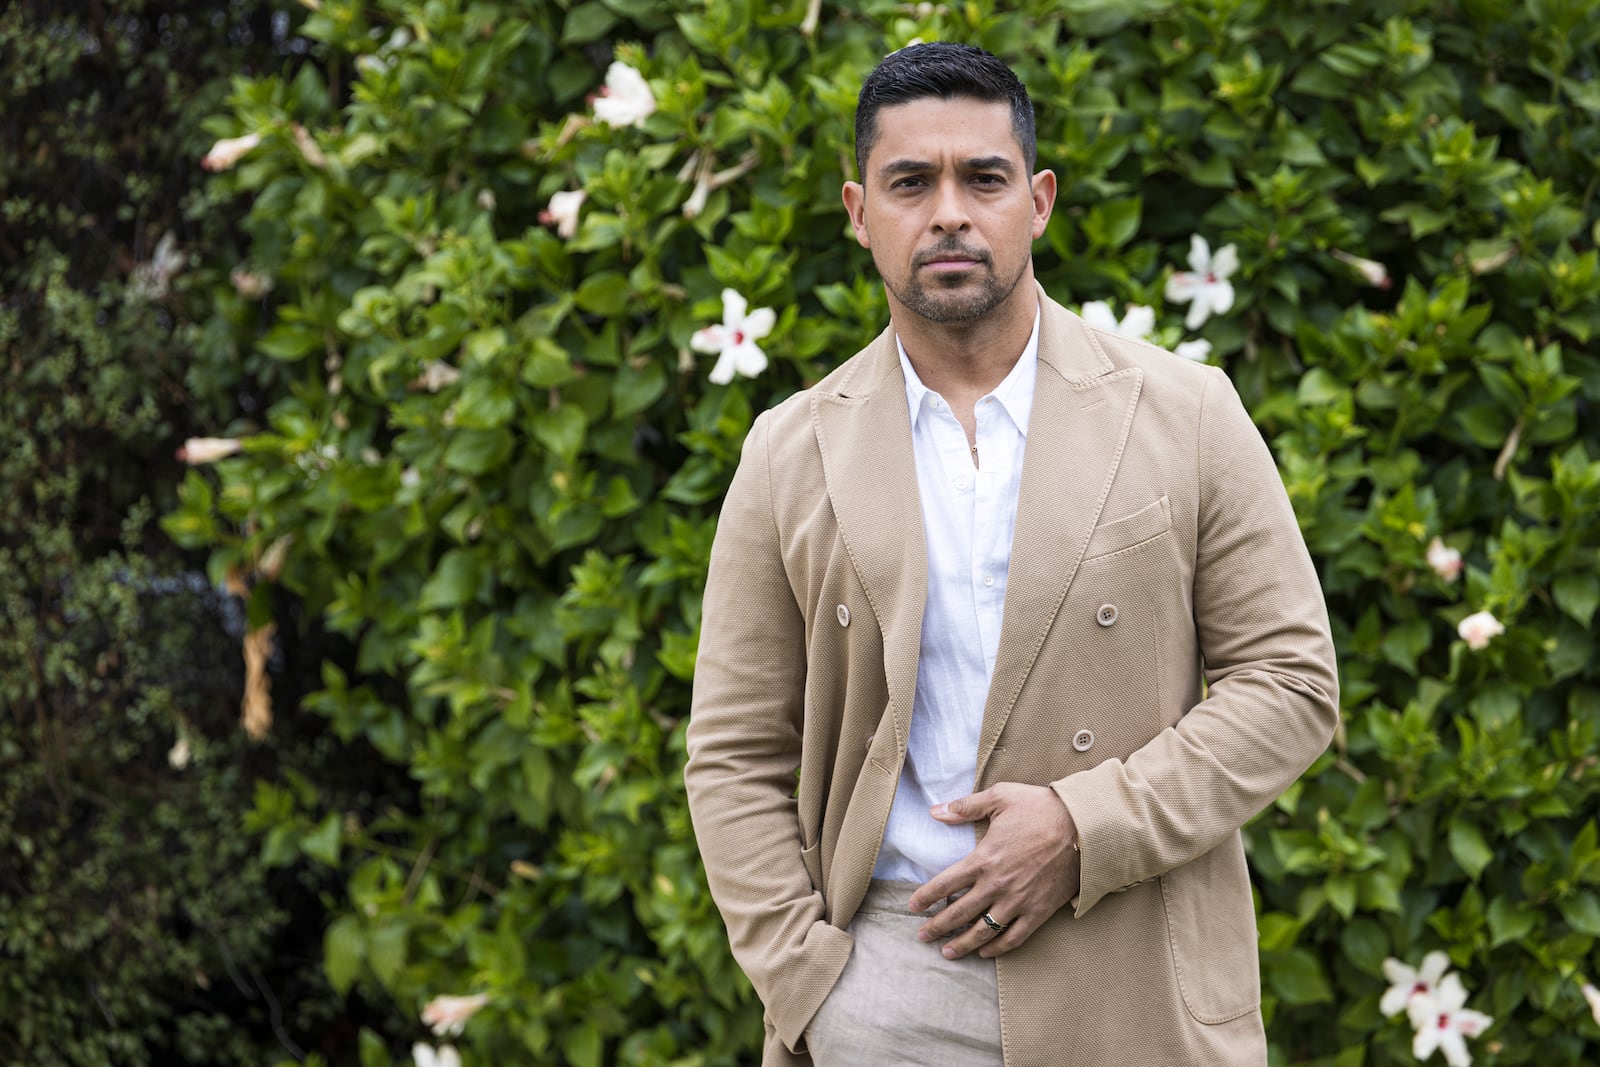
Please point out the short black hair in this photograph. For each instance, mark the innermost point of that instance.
(948, 71)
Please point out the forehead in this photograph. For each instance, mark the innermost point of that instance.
(933, 129)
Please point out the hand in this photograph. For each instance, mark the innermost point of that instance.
(1022, 872)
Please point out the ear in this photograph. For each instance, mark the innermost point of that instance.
(855, 204)
(1044, 200)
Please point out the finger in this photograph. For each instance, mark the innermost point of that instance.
(957, 916)
(971, 808)
(947, 883)
(1016, 932)
(972, 939)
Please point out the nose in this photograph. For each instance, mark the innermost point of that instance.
(949, 209)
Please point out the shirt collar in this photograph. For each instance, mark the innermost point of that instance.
(1015, 393)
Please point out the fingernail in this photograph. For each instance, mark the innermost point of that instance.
(923, 935)
(940, 809)
(949, 953)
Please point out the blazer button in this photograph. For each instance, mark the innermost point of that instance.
(844, 615)
(1107, 615)
(1083, 740)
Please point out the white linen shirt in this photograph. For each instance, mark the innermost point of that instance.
(968, 515)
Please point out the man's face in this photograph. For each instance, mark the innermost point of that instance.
(947, 208)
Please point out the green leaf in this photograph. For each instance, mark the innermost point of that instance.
(1277, 931)
(386, 951)
(603, 293)
(1468, 846)
(1421, 219)
(478, 451)
(561, 430)
(485, 404)
(290, 341)
(373, 1050)
(1213, 172)
(1508, 921)
(587, 22)
(343, 952)
(1405, 642)
(1341, 890)
(1486, 424)
(547, 365)
(1111, 224)
(635, 389)
(322, 843)
(583, 1045)
(1297, 977)
(620, 498)
(1365, 944)
(1578, 595)
(1582, 912)
(1319, 388)
(454, 582)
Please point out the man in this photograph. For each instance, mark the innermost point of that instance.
(1025, 606)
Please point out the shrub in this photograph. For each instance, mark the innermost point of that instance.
(500, 455)
(137, 922)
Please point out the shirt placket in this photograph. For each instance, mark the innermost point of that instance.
(988, 565)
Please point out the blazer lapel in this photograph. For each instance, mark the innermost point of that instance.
(864, 434)
(1077, 429)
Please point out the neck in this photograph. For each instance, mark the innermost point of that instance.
(968, 358)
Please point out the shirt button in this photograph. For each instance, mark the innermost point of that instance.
(1107, 615)
(961, 483)
(988, 579)
(1083, 740)
(844, 615)
(937, 403)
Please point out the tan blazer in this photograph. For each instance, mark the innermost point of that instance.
(1156, 561)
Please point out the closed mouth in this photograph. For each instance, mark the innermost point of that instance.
(949, 259)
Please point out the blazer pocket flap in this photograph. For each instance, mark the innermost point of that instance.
(1144, 524)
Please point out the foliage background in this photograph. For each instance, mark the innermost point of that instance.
(138, 923)
(482, 465)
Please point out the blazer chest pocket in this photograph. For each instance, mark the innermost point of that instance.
(1130, 531)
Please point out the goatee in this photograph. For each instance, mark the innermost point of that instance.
(947, 307)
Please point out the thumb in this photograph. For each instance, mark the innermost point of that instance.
(969, 808)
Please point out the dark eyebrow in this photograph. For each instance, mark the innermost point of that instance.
(999, 163)
(920, 166)
(904, 166)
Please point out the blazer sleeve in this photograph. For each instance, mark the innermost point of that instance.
(744, 754)
(1271, 703)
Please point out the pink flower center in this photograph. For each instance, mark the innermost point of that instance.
(1420, 987)
(1444, 1022)
(738, 337)
(1211, 278)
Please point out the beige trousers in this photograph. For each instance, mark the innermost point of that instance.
(899, 1003)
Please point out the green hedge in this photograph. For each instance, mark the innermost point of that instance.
(497, 465)
(138, 924)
